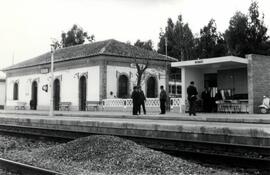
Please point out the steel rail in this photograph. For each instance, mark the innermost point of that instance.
(21, 168)
(223, 159)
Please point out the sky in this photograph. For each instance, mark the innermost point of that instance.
(29, 26)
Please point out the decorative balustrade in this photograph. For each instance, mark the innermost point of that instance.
(113, 102)
(150, 103)
(175, 102)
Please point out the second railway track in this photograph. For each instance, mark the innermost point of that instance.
(232, 155)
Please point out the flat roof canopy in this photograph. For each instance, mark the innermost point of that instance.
(218, 62)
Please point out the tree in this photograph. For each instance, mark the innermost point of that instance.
(210, 43)
(148, 45)
(169, 34)
(76, 35)
(180, 40)
(247, 33)
(257, 30)
(141, 68)
(184, 40)
(236, 35)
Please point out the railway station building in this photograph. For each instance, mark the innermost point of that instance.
(88, 72)
(242, 82)
(2, 90)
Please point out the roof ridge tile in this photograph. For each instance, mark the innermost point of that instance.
(103, 49)
(107, 47)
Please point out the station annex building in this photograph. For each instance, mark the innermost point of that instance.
(2, 91)
(242, 81)
(88, 72)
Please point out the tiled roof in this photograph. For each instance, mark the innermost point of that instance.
(108, 47)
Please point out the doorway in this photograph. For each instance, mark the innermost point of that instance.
(209, 96)
(56, 94)
(34, 96)
(151, 91)
(123, 86)
(82, 93)
(210, 80)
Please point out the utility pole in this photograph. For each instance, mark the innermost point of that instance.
(52, 78)
(166, 46)
(166, 52)
(166, 73)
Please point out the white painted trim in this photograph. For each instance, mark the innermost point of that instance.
(184, 94)
(210, 61)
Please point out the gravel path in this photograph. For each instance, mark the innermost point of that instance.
(106, 155)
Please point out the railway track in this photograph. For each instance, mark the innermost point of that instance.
(23, 169)
(222, 159)
(232, 155)
(213, 153)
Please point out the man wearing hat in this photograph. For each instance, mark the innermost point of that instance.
(192, 97)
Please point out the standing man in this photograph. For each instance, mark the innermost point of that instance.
(162, 99)
(141, 100)
(135, 99)
(192, 97)
(206, 97)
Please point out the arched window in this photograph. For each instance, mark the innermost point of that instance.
(15, 91)
(151, 88)
(122, 86)
(82, 93)
(34, 96)
(56, 94)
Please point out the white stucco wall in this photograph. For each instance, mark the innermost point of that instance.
(114, 71)
(2, 93)
(69, 86)
(191, 74)
(197, 76)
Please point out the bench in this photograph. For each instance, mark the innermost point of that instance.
(64, 106)
(92, 105)
(20, 105)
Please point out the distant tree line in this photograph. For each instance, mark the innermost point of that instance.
(246, 34)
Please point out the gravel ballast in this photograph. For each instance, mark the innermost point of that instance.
(9, 144)
(100, 154)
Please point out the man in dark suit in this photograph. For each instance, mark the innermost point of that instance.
(206, 97)
(141, 100)
(135, 99)
(162, 99)
(192, 97)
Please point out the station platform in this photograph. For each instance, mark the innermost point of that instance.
(237, 129)
(203, 117)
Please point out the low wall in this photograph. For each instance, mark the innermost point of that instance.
(151, 105)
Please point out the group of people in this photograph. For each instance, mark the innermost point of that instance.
(138, 99)
(208, 105)
(210, 100)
